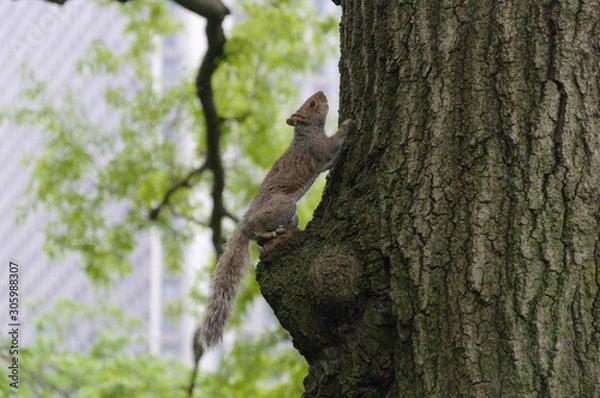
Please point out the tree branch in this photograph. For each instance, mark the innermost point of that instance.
(216, 42)
(62, 2)
(189, 218)
(184, 183)
(209, 9)
(231, 216)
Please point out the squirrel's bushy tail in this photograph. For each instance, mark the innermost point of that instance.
(228, 274)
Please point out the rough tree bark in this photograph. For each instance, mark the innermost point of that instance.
(456, 251)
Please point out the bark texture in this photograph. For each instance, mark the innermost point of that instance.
(456, 251)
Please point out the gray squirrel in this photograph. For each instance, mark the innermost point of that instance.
(273, 209)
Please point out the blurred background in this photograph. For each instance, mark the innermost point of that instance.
(100, 126)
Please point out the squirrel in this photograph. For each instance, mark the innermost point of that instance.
(273, 209)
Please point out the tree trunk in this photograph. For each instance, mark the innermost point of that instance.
(456, 251)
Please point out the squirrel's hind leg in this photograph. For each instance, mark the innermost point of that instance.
(277, 215)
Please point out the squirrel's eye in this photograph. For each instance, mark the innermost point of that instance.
(312, 104)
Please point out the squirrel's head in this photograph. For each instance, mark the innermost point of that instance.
(312, 112)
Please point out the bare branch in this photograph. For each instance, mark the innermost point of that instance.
(62, 2)
(198, 352)
(231, 216)
(184, 183)
(188, 218)
(209, 9)
(216, 41)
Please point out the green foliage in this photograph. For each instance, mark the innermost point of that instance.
(99, 180)
(264, 367)
(118, 365)
(113, 367)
